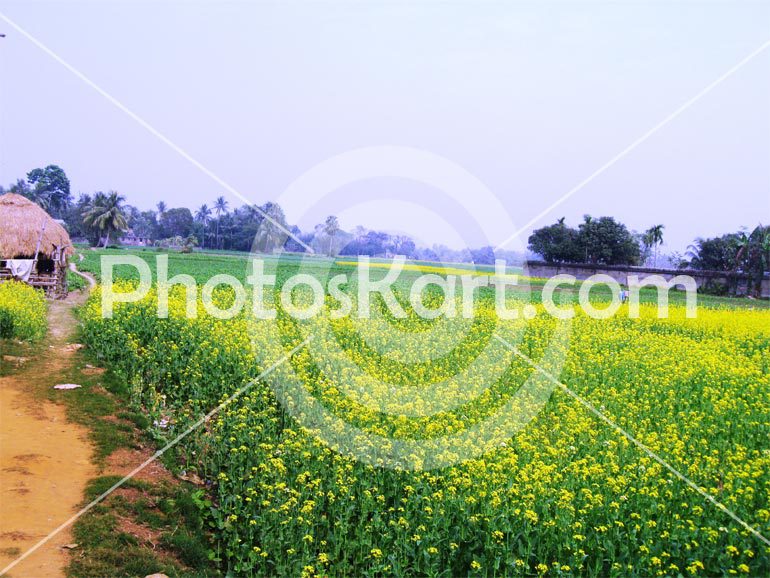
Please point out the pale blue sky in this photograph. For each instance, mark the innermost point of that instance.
(529, 97)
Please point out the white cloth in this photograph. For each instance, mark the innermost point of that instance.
(21, 268)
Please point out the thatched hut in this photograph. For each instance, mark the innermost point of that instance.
(34, 248)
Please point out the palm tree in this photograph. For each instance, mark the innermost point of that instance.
(161, 206)
(203, 216)
(331, 228)
(271, 233)
(741, 245)
(105, 213)
(220, 206)
(757, 257)
(765, 245)
(653, 237)
(587, 221)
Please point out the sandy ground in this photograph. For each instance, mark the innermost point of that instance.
(45, 462)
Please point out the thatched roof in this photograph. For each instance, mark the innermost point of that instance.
(21, 221)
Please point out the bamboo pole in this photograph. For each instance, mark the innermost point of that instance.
(39, 241)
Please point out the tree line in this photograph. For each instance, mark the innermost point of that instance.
(105, 218)
(605, 241)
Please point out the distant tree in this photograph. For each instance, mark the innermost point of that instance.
(176, 223)
(272, 229)
(737, 254)
(144, 224)
(105, 213)
(239, 228)
(220, 208)
(608, 242)
(373, 243)
(331, 228)
(597, 240)
(714, 254)
(50, 189)
(292, 245)
(74, 220)
(427, 254)
(483, 256)
(161, 206)
(653, 238)
(403, 245)
(21, 187)
(556, 243)
(203, 216)
(753, 256)
(359, 232)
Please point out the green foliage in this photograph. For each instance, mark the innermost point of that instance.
(74, 281)
(50, 189)
(6, 324)
(736, 253)
(601, 241)
(557, 243)
(715, 254)
(105, 214)
(176, 223)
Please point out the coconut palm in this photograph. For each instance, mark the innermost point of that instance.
(653, 238)
(220, 207)
(105, 213)
(203, 216)
(272, 229)
(587, 221)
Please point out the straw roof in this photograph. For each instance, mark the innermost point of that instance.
(21, 221)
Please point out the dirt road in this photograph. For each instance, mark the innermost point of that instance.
(45, 461)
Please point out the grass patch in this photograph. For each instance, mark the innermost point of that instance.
(10, 352)
(74, 281)
(138, 419)
(174, 542)
(143, 527)
(100, 397)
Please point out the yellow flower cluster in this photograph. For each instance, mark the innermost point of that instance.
(22, 312)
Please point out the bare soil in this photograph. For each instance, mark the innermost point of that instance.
(45, 461)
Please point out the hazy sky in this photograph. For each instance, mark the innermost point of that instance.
(529, 98)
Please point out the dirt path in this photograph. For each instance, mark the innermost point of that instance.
(45, 461)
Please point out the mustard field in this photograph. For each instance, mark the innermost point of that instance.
(413, 447)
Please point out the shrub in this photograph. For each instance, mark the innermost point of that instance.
(22, 312)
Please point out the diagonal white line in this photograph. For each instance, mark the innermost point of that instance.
(152, 130)
(159, 453)
(582, 184)
(634, 441)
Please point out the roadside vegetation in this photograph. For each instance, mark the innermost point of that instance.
(154, 522)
